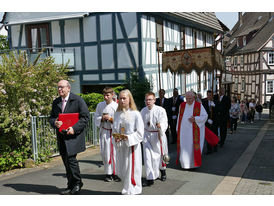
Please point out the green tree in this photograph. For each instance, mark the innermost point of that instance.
(138, 87)
(4, 43)
(26, 89)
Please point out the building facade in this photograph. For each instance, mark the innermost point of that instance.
(103, 48)
(250, 56)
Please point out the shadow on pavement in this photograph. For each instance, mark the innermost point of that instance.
(84, 176)
(48, 189)
(94, 162)
(41, 189)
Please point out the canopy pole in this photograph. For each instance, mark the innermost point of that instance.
(158, 42)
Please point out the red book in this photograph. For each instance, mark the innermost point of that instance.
(68, 119)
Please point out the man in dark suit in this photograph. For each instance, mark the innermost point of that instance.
(223, 106)
(72, 141)
(174, 104)
(209, 105)
(164, 102)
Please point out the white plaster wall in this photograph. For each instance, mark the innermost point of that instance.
(15, 31)
(91, 77)
(78, 60)
(130, 23)
(91, 58)
(123, 56)
(107, 56)
(89, 25)
(72, 31)
(55, 32)
(75, 85)
(23, 42)
(106, 27)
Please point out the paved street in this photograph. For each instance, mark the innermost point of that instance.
(245, 165)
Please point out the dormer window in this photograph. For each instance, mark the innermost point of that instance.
(244, 40)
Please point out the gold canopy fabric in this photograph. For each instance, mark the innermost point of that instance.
(199, 59)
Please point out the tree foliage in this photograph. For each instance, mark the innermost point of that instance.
(26, 89)
(138, 87)
(4, 43)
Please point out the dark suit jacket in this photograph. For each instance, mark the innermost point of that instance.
(166, 105)
(223, 108)
(74, 143)
(177, 104)
(206, 106)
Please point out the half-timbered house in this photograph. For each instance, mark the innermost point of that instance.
(102, 48)
(250, 56)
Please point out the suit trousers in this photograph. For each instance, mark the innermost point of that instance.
(173, 131)
(71, 166)
(223, 131)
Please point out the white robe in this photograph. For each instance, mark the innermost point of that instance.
(186, 135)
(134, 129)
(105, 139)
(151, 143)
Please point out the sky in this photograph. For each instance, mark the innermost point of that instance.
(228, 18)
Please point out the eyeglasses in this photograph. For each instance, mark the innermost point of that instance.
(61, 87)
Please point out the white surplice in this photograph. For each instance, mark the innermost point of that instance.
(134, 129)
(105, 138)
(186, 135)
(151, 143)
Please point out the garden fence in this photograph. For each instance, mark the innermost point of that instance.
(44, 142)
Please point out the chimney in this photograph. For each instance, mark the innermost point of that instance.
(240, 18)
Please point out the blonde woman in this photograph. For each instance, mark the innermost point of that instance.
(129, 125)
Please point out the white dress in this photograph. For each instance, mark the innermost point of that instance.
(186, 135)
(151, 144)
(129, 154)
(107, 143)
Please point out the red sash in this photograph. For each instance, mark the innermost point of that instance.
(132, 167)
(196, 134)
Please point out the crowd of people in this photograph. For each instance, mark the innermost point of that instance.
(128, 136)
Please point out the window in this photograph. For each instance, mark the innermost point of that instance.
(242, 60)
(243, 85)
(182, 38)
(236, 84)
(160, 34)
(271, 58)
(269, 86)
(235, 61)
(244, 40)
(189, 38)
(37, 36)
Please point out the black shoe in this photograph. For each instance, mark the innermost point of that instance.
(108, 178)
(215, 149)
(208, 152)
(163, 175)
(148, 183)
(76, 189)
(66, 191)
(116, 178)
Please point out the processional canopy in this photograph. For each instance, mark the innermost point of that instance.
(198, 59)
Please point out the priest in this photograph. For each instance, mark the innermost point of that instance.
(191, 132)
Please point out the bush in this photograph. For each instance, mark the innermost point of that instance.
(138, 87)
(26, 89)
(92, 100)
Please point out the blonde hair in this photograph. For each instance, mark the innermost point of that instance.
(132, 104)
